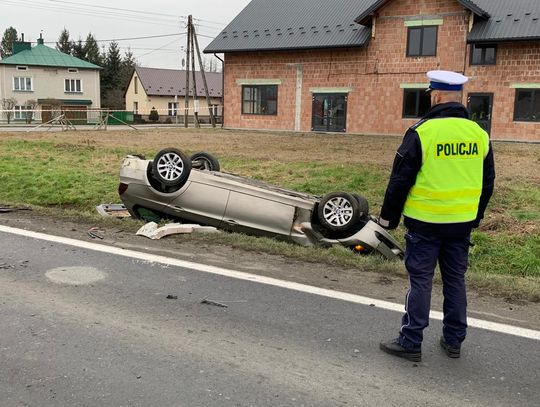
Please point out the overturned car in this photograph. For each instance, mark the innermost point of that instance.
(195, 190)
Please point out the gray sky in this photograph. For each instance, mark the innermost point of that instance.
(122, 19)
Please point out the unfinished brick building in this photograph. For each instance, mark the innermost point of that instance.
(358, 66)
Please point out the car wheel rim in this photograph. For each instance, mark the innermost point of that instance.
(170, 166)
(338, 211)
(203, 164)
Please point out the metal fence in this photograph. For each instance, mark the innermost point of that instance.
(90, 116)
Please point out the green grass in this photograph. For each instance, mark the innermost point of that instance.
(503, 254)
(315, 178)
(45, 174)
(77, 177)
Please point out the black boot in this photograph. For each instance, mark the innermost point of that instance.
(453, 352)
(393, 347)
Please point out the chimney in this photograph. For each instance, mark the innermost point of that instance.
(40, 39)
(19, 46)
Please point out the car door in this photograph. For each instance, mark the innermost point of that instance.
(202, 201)
(256, 214)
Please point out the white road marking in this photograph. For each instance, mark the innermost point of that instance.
(357, 299)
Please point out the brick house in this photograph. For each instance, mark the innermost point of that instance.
(165, 90)
(359, 66)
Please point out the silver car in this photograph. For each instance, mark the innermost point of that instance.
(194, 189)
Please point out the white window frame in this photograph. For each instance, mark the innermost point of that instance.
(214, 109)
(72, 87)
(20, 112)
(172, 108)
(73, 70)
(22, 68)
(23, 84)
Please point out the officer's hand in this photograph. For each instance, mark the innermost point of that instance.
(385, 224)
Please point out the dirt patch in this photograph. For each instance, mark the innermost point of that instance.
(513, 161)
(500, 221)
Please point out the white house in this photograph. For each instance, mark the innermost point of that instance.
(46, 80)
(164, 90)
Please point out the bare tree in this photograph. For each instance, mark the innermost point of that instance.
(31, 106)
(8, 106)
(54, 107)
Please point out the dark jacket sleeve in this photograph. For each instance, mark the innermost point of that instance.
(488, 183)
(407, 164)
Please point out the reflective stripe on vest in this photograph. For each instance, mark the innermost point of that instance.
(449, 183)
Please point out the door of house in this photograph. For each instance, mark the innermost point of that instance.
(46, 114)
(480, 106)
(329, 112)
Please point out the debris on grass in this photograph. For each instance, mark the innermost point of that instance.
(7, 209)
(113, 210)
(152, 231)
(94, 233)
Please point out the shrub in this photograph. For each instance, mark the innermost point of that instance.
(154, 115)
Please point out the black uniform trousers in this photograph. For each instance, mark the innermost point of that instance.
(421, 256)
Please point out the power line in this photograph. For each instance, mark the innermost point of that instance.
(130, 39)
(210, 22)
(114, 8)
(157, 49)
(95, 13)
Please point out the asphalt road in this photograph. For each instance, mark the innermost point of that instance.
(116, 340)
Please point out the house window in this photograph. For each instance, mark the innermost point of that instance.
(214, 109)
(21, 112)
(173, 108)
(136, 86)
(527, 105)
(136, 107)
(22, 68)
(73, 70)
(259, 99)
(483, 54)
(416, 103)
(422, 41)
(72, 86)
(22, 84)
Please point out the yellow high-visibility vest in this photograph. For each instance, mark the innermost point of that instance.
(449, 184)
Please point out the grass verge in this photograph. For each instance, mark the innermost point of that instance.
(76, 172)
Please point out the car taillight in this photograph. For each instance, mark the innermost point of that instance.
(122, 188)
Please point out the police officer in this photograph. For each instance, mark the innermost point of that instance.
(442, 179)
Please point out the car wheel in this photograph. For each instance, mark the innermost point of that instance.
(338, 211)
(204, 161)
(171, 167)
(363, 205)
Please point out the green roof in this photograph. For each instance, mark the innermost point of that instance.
(41, 55)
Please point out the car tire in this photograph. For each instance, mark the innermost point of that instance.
(363, 205)
(171, 167)
(204, 161)
(338, 211)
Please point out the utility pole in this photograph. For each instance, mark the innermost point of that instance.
(201, 66)
(188, 55)
(195, 100)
